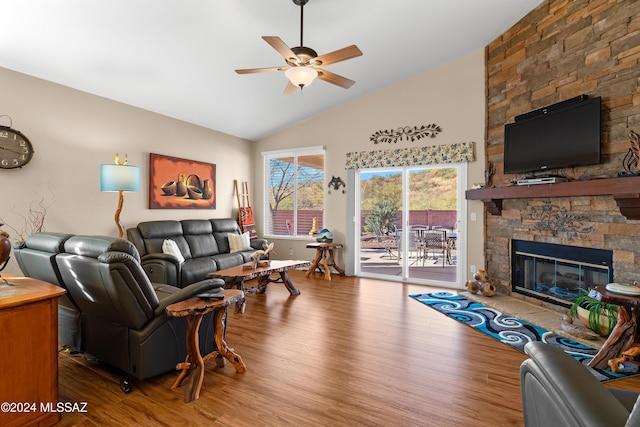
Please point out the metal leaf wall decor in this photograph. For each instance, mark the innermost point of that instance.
(409, 133)
(555, 220)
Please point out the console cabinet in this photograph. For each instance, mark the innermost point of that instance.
(29, 355)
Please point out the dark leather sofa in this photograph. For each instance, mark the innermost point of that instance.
(116, 314)
(204, 244)
(559, 391)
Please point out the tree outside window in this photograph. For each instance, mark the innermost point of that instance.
(295, 186)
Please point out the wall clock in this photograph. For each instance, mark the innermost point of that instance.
(15, 148)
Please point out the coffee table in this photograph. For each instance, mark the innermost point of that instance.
(238, 275)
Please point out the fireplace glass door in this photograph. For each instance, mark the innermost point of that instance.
(546, 272)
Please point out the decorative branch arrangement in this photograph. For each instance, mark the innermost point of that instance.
(410, 133)
(32, 221)
(555, 220)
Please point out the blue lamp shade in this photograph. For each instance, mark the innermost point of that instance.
(119, 178)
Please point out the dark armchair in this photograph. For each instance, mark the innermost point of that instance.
(124, 322)
(36, 258)
(558, 391)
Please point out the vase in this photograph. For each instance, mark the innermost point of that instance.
(605, 329)
(207, 191)
(181, 186)
(193, 180)
(169, 189)
(194, 192)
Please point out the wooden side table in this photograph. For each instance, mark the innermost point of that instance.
(29, 332)
(324, 255)
(625, 334)
(193, 309)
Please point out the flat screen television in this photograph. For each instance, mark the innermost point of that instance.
(558, 136)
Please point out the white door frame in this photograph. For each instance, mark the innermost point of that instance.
(352, 234)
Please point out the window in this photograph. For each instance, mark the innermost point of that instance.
(294, 191)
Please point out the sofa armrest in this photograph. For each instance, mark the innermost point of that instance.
(169, 294)
(257, 243)
(162, 268)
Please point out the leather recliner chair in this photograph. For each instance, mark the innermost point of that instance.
(124, 322)
(558, 391)
(36, 258)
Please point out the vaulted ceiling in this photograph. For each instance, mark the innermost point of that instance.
(177, 57)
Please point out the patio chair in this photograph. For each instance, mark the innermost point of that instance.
(434, 242)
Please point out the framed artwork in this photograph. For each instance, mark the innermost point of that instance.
(176, 183)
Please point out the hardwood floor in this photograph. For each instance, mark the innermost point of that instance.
(346, 352)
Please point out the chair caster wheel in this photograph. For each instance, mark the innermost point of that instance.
(126, 386)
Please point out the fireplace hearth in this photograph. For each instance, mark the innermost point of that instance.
(557, 273)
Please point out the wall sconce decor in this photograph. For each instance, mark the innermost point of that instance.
(336, 183)
(119, 177)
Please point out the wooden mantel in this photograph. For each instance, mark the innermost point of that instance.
(625, 191)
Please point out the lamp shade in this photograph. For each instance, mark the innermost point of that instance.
(301, 76)
(119, 178)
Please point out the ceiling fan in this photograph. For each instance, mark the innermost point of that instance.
(304, 64)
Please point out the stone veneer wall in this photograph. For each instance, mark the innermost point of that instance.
(560, 50)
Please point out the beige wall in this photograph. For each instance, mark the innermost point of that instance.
(451, 96)
(74, 132)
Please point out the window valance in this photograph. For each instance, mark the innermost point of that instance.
(434, 154)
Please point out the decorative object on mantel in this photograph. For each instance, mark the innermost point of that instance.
(409, 133)
(336, 183)
(631, 161)
(555, 220)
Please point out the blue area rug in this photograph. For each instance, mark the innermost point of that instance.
(513, 331)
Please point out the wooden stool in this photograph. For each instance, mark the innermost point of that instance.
(324, 255)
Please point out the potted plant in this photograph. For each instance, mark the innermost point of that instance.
(596, 315)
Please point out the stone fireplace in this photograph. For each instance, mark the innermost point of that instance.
(561, 50)
(583, 225)
(557, 273)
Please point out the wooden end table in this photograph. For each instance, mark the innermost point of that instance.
(238, 275)
(324, 255)
(29, 330)
(193, 309)
(625, 334)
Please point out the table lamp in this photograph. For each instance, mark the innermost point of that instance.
(119, 177)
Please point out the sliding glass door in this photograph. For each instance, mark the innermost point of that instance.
(408, 221)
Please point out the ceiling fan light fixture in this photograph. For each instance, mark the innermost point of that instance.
(301, 76)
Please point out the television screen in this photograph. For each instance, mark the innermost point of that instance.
(558, 136)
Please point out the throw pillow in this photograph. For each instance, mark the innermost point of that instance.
(170, 247)
(239, 242)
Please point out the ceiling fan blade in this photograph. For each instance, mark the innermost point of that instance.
(335, 79)
(281, 47)
(290, 89)
(260, 70)
(338, 55)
